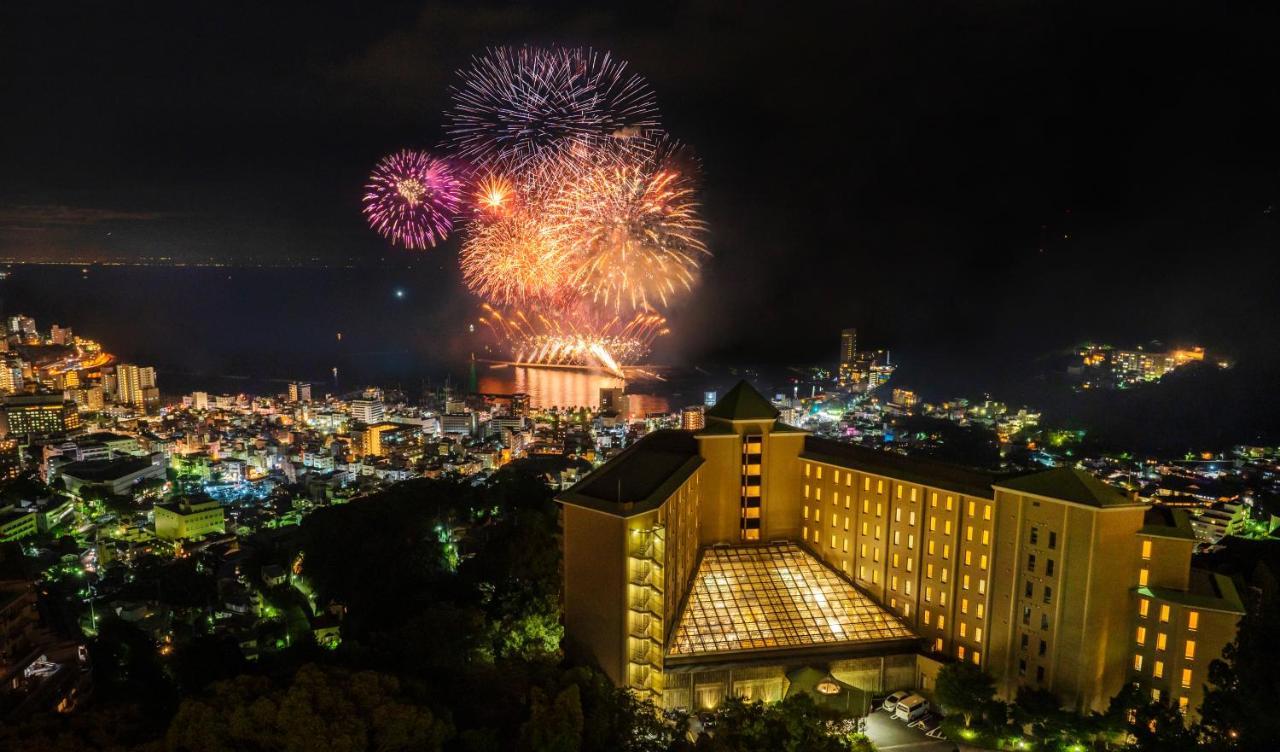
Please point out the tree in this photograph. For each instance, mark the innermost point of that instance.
(1238, 711)
(320, 709)
(553, 725)
(795, 724)
(966, 689)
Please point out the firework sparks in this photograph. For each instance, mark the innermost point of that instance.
(514, 260)
(412, 198)
(634, 228)
(515, 104)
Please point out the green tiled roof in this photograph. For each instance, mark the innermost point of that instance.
(1208, 590)
(743, 402)
(1069, 484)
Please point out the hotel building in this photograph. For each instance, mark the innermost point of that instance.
(746, 555)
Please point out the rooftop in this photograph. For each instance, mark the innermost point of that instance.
(743, 402)
(1069, 484)
(775, 596)
(1167, 522)
(1206, 590)
(641, 477)
(911, 469)
(105, 470)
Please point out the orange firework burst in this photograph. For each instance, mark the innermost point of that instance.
(494, 194)
(632, 225)
(514, 260)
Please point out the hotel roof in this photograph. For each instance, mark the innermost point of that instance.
(751, 601)
(910, 469)
(640, 478)
(1069, 484)
(743, 402)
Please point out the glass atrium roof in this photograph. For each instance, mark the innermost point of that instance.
(775, 596)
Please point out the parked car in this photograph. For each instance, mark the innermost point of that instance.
(911, 708)
(891, 702)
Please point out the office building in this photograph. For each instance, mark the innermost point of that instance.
(299, 391)
(700, 564)
(188, 518)
(848, 356)
(136, 386)
(40, 415)
(368, 411)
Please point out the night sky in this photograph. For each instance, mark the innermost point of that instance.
(972, 176)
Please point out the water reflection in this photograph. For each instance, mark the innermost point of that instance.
(562, 387)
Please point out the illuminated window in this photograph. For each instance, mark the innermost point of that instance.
(835, 477)
(1162, 640)
(1155, 695)
(981, 609)
(933, 523)
(819, 473)
(808, 469)
(866, 484)
(950, 500)
(977, 657)
(931, 548)
(960, 652)
(946, 527)
(833, 541)
(877, 535)
(897, 515)
(928, 616)
(928, 594)
(1164, 613)
(1146, 550)
(911, 518)
(986, 511)
(879, 509)
(817, 515)
(972, 507)
(906, 586)
(986, 537)
(875, 554)
(1157, 670)
(977, 634)
(1183, 701)
(897, 537)
(964, 582)
(933, 499)
(982, 585)
(866, 527)
(817, 494)
(893, 582)
(982, 562)
(1142, 635)
(911, 541)
(1137, 662)
(928, 571)
(964, 605)
(1190, 653)
(806, 490)
(937, 645)
(908, 565)
(1193, 620)
(866, 505)
(862, 551)
(895, 560)
(968, 558)
(1142, 577)
(879, 486)
(944, 575)
(899, 489)
(806, 511)
(942, 621)
(1144, 607)
(946, 550)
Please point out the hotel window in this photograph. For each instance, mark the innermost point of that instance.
(942, 621)
(906, 607)
(933, 523)
(1027, 589)
(931, 548)
(863, 551)
(977, 634)
(950, 500)
(1044, 621)
(1186, 678)
(807, 470)
(1035, 535)
(848, 480)
(964, 605)
(895, 560)
(1193, 620)
(911, 541)
(893, 582)
(1157, 670)
(897, 537)
(911, 518)
(1146, 550)
(833, 540)
(937, 645)
(982, 562)
(906, 587)
(1183, 701)
(875, 554)
(927, 616)
(806, 490)
(972, 507)
(1137, 662)
(866, 506)
(877, 535)
(1031, 562)
(866, 484)
(968, 558)
(1053, 539)
(960, 652)
(942, 597)
(817, 515)
(1162, 640)
(897, 515)
(862, 571)
(1048, 568)
(964, 582)
(946, 527)
(944, 576)
(817, 494)
(1048, 594)
(848, 500)
(1190, 653)
(1044, 648)
(879, 509)
(986, 537)
(982, 586)
(1142, 635)
(928, 571)
(946, 550)
(875, 573)
(879, 486)
(1155, 695)
(1144, 607)
(1026, 615)
(968, 532)
(866, 527)
(933, 499)
(819, 472)
(835, 520)
(1164, 613)
(835, 477)
(977, 658)
(908, 565)
(986, 511)
(981, 609)
(928, 594)
(847, 519)
(899, 489)
(913, 494)
(1142, 577)
(846, 545)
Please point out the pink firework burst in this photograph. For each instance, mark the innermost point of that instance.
(412, 198)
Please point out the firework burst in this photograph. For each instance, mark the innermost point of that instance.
(632, 224)
(515, 259)
(412, 198)
(516, 104)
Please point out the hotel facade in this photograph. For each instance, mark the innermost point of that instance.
(747, 556)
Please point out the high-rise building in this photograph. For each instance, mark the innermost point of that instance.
(848, 355)
(40, 415)
(613, 400)
(200, 400)
(705, 564)
(693, 417)
(520, 405)
(299, 391)
(60, 335)
(709, 398)
(132, 383)
(368, 411)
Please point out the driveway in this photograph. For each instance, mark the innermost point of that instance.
(895, 736)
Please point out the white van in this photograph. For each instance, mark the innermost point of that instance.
(911, 709)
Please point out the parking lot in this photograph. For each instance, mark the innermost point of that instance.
(889, 734)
